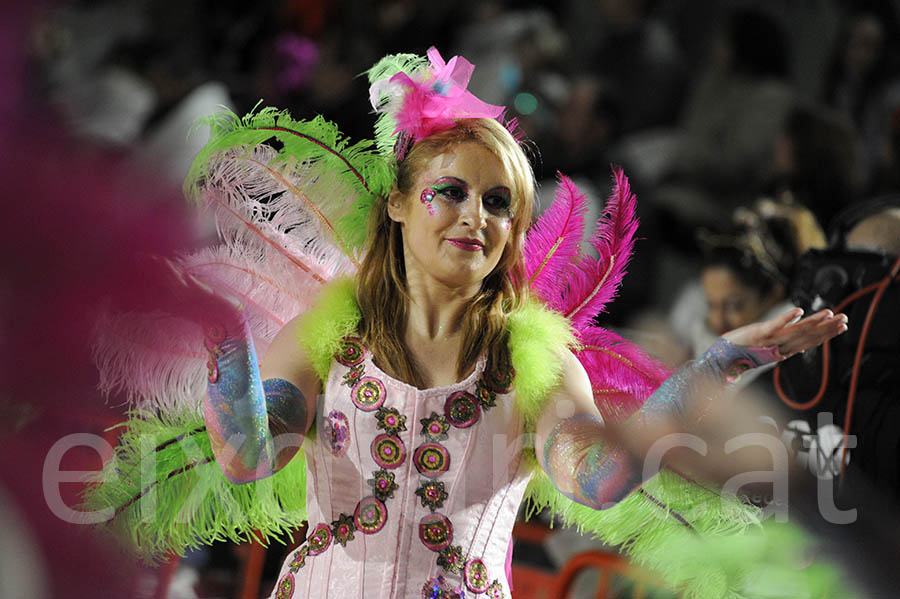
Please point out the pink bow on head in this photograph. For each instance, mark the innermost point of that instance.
(435, 99)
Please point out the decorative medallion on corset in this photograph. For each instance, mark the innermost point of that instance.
(337, 432)
(435, 427)
(368, 394)
(390, 420)
(501, 380)
(342, 529)
(495, 591)
(475, 575)
(431, 459)
(285, 588)
(299, 559)
(435, 531)
(370, 515)
(352, 376)
(352, 352)
(439, 588)
(486, 396)
(451, 559)
(319, 539)
(383, 485)
(462, 409)
(432, 494)
(388, 452)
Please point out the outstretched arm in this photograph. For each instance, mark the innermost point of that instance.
(256, 417)
(570, 440)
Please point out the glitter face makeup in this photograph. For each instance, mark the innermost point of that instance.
(426, 198)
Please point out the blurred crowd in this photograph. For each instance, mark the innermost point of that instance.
(708, 105)
(755, 134)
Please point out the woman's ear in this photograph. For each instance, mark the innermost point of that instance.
(396, 206)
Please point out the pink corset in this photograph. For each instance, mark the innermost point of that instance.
(410, 493)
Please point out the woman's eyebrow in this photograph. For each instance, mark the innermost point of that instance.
(456, 180)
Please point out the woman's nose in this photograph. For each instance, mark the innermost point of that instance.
(473, 214)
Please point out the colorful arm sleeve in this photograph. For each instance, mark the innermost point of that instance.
(599, 474)
(254, 426)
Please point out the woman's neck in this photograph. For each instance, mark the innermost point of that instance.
(435, 309)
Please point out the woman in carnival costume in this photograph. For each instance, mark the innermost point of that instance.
(429, 364)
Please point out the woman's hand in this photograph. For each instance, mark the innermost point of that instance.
(790, 333)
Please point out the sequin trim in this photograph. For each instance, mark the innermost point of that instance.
(285, 587)
(319, 539)
(431, 459)
(475, 575)
(352, 352)
(388, 452)
(462, 409)
(383, 485)
(435, 531)
(337, 432)
(435, 427)
(370, 515)
(368, 394)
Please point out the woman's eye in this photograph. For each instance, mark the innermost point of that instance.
(452, 192)
(497, 202)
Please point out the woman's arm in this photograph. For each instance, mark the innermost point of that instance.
(257, 417)
(587, 468)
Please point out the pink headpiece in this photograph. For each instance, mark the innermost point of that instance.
(428, 101)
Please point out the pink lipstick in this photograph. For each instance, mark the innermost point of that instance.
(470, 245)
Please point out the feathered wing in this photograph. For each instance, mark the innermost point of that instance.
(290, 201)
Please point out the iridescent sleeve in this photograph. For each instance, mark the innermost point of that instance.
(599, 474)
(254, 426)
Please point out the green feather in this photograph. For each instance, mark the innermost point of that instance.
(321, 329)
(164, 492)
(537, 337)
(386, 124)
(314, 156)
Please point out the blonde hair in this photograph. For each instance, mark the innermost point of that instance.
(381, 288)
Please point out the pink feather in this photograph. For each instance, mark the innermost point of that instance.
(622, 375)
(554, 242)
(595, 281)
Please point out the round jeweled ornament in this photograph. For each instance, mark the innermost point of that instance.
(388, 452)
(368, 394)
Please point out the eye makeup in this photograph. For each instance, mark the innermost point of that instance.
(452, 188)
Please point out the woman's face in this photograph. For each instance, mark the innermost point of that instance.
(732, 304)
(456, 218)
